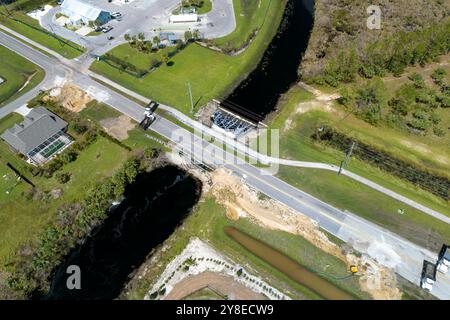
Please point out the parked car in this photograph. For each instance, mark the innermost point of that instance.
(116, 14)
(107, 29)
(110, 38)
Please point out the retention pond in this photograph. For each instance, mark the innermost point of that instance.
(258, 95)
(289, 267)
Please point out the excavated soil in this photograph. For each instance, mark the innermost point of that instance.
(240, 201)
(223, 284)
(70, 97)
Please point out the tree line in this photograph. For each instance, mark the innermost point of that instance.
(388, 55)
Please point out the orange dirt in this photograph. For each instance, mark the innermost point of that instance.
(223, 284)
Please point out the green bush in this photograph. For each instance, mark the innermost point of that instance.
(63, 177)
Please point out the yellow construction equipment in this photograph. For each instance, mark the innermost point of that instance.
(353, 269)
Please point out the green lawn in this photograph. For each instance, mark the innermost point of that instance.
(31, 29)
(141, 60)
(8, 121)
(347, 194)
(211, 74)
(99, 111)
(205, 8)
(208, 221)
(16, 71)
(137, 138)
(21, 219)
(8, 181)
(295, 143)
(250, 16)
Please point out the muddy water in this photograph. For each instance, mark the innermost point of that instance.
(288, 266)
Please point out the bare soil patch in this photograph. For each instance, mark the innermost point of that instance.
(239, 201)
(118, 127)
(70, 97)
(223, 284)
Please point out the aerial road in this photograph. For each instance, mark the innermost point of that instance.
(387, 248)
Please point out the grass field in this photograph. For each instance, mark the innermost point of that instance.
(295, 143)
(250, 16)
(137, 138)
(208, 221)
(141, 60)
(205, 8)
(98, 111)
(16, 71)
(211, 74)
(346, 194)
(21, 218)
(31, 29)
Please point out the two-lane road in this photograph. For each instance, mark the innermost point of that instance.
(389, 249)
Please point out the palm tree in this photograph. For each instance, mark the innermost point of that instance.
(156, 41)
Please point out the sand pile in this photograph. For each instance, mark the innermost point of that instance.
(239, 201)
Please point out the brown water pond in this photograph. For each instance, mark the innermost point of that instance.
(289, 267)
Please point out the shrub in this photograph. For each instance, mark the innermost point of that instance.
(63, 177)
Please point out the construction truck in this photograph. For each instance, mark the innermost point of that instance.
(443, 263)
(428, 277)
(149, 118)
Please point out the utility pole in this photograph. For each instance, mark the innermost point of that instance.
(347, 158)
(190, 96)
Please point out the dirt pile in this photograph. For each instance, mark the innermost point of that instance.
(240, 201)
(70, 97)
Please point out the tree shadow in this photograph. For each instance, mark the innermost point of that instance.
(170, 63)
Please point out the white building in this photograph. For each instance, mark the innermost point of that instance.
(79, 11)
(184, 18)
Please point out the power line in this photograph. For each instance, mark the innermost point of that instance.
(347, 158)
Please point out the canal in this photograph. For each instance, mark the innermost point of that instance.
(289, 267)
(153, 207)
(258, 95)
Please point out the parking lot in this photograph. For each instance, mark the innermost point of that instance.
(147, 16)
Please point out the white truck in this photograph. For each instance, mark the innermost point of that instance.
(428, 277)
(443, 263)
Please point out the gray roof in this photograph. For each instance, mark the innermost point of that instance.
(38, 126)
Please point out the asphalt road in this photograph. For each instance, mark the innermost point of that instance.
(389, 249)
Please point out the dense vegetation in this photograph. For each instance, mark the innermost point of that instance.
(342, 45)
(387, 55)
(414, 107)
